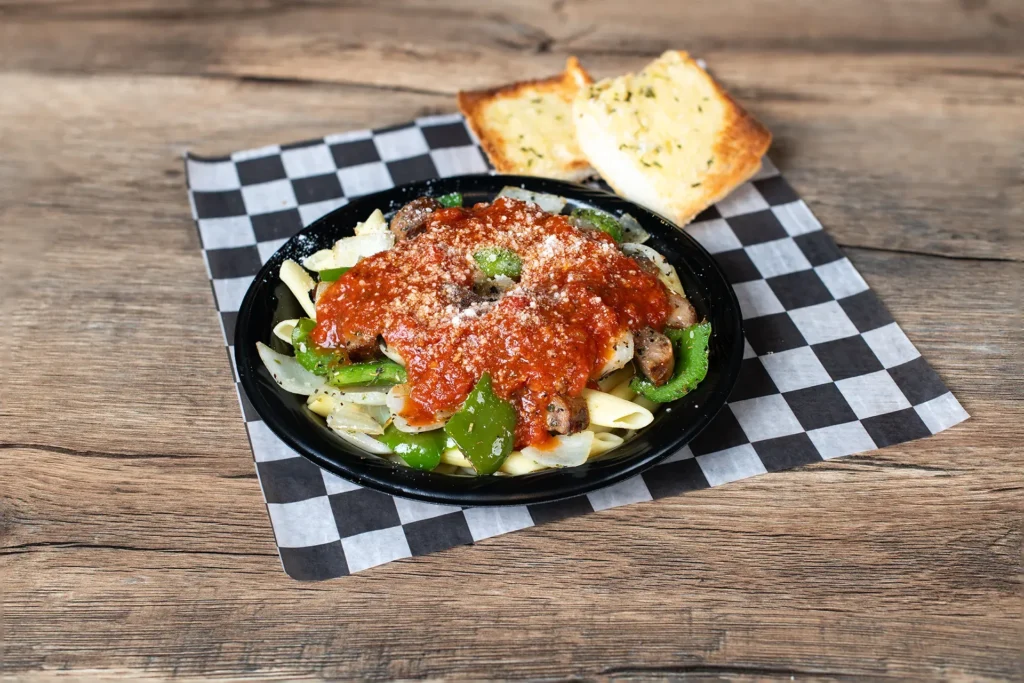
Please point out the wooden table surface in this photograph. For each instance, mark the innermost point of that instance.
(133, 537)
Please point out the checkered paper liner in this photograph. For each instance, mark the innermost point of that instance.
(826, 371)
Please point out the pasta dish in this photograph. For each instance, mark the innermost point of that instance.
(497, 339)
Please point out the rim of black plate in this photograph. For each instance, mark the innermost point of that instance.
(676, 424)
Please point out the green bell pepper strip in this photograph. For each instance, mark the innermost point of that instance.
(605, 222)
(367, 374)
(450, 200)
(420, 451)
(331, 364)
(495, 261)
(691, 350)
(332, 274)
(310, 356)
(484, 427)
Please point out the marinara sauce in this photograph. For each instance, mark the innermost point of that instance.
(546, 336)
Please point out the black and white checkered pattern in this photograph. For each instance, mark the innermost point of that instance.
(826, 370)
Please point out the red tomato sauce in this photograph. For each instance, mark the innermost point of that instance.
(546, 336)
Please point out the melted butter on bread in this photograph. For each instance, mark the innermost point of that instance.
(527, 127)
(668, 137)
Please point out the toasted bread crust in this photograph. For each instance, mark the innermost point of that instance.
(473, 104)
(743, 140)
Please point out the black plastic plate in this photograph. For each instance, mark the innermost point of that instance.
(268, 301)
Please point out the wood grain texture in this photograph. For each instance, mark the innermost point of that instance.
(133, 538)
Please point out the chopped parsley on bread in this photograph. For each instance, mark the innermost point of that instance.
(526, 128)
(668, 137)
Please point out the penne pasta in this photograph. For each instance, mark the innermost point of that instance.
(517, 463)
(321, 404)
(623, 391)
(453, 456)
(320, 260)
(375, 223)
(300, 283)
(608, 410)
(283, 330)
(348, 251)
(568, 450)
(604, 442)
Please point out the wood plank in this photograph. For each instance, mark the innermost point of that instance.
(605, 26)
(133, 537)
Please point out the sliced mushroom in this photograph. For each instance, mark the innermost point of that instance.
(412, 218)
(568, 415)
(682, 313)
(654, 355)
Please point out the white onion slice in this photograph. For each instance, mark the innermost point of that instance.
(283, 330)
(287, 372)
(364, 441)
(547, 202)
(402, 425)
(365, 397)
(569, 450)
(622, 353)
(350, 418)
(666, 272)
(604, 442)
(379, 413)
(397, 396)
(632, 232)
(392, 353)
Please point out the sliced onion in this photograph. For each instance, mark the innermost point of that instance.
(397, 396)
(402, 425)
(547, 202)
(632, 232)
(350, 418)
(392, 353)
(569, 450)
(364, 441)
(287, 372)
(379, 413)
(622, 353)
(666, 272)
(283, 330)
